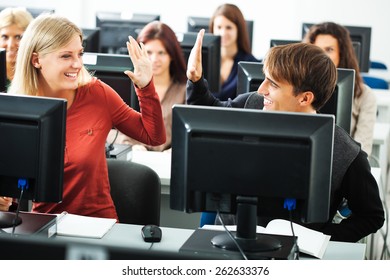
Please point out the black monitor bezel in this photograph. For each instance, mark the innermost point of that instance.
(361, 34)
(194, 24)
(115, 29)
(250, 76)
(211, 56)
(191, 123)
(91, 39)
(279, 42)
(108, 67)
(3, 70)
(37, 153)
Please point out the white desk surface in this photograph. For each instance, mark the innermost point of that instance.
(129, 236)
(381, 133)
(383, 105)
(159, 162)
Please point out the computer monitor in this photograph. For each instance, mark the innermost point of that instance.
(3, 70)
(32, 147)
(361, 40)
(35, 11)
(110, 69)
(115, 27)
(91, 38)
(250, 76)
(250, 164)
(194, 24)
(279, 42)
(211, 56)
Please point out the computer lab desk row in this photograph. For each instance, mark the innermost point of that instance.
(128, 237)
(161, 163)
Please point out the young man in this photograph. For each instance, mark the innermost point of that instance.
(301, 78)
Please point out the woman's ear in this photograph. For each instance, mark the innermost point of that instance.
(35, 60)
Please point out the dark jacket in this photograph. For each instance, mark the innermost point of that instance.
(351, 174)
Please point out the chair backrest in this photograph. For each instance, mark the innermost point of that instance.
(136, 192)
(378, 65)
(374, 82)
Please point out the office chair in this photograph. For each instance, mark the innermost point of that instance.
(378, 65)
(136, 192)
(374, 82)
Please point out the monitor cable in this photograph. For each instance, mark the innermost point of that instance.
(231, 235)
(110, 147)
(22, 185)
(290, 204)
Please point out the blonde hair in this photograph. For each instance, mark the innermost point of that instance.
(18, 16)
(45, 34)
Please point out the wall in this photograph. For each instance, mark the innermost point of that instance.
(277, 19)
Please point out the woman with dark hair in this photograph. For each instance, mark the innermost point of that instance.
(335, 40)
(169, 76)
(229, 23)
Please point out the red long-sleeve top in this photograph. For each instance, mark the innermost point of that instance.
(95, 110)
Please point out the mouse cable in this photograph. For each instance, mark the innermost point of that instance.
(231, 235)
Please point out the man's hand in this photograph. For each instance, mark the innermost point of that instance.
(194, 66)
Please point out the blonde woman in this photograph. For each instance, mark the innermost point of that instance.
(13, 23)
(50, 64)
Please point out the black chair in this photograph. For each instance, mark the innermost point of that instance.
(136, 192)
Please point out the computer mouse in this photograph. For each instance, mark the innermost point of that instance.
(151, 233)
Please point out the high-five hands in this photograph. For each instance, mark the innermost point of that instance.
(142, 74)
(194, 65)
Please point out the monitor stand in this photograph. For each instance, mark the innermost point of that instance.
(254, 245)
(7, 219)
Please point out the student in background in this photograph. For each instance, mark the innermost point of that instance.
(301, 78)
(13, 23)
(50, 64)
(169, 68)
(229, 23)
(335, 40)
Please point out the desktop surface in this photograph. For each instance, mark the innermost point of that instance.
(129, 237)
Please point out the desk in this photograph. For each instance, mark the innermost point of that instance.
(380, 149)
(383, 105)
(129, 236)
(379, 73)
(161, 163)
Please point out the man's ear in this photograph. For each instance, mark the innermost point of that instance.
(35, 60)
(307, 98)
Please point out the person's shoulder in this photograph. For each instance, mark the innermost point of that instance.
(344, 141)
(242, 56)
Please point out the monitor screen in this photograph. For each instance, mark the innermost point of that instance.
(194, 24)
(3, 70)
(250, 76)
(110, 69)
(361, 40)
(115, 28)
(256, 160)
(91, 37)
(211, 55)
(32, 146)
(279, 42)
